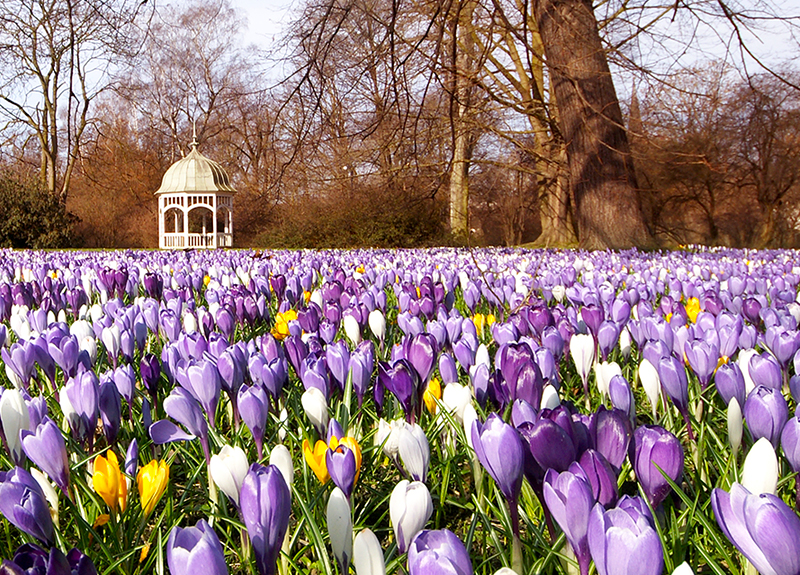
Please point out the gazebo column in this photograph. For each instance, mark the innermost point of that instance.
(214, 221)
(185, 222)
(161, 225)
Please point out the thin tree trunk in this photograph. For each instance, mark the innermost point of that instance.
(603, 183)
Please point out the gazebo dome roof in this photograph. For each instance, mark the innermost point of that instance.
(195, 173)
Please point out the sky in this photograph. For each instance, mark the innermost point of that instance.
(266, 19)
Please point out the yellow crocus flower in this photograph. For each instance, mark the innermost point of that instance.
(692, 308)
(479, 320)
(281, 329)
(152, 480)
(316, 459)
(109, 483)
(490, 319)
(432, 393)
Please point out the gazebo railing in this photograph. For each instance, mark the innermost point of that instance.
(181, 241)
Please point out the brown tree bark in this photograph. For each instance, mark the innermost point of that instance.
(606, 201)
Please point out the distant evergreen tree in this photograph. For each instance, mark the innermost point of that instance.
(30, 217)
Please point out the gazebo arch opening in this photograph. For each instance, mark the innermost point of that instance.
(173, 221)
(224, 220)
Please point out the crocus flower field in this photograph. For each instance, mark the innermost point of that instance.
(443, 411)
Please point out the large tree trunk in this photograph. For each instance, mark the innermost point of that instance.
(460, 110)
(603, 183)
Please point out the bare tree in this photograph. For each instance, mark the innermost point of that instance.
(56, 56)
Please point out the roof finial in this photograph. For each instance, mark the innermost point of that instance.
(194, 143)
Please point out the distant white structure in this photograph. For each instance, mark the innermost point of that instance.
(195, 204)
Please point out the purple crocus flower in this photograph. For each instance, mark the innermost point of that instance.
(266, 505)
(438, 552)
(420, 351)
(337, 355)
(762, 527)
(202, 381)
(550, 444)
(766, 412)
(729, 381)
(607, 338)
(110, 406)
(195, 550)
(703, 358)
(181, 406)
(782, 343)
(673, 380)
(254, 408)
(341, 464)
(623, 541)
(46, 448)
(500, 451)
(22, 502)
(600, 475)
(610, 432)
(83, 394)
(150, 370)
(400, 379)
(20, 359)
(314, 373)
(132, 458)
(30, 559)
(569, 498)
(362, 362)
(655, 448)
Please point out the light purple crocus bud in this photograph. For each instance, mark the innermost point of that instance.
(266, 505)
(23, 503)
(337, 355)
(621, 395)
(729, 382)
(46, 448)
(766, 412)
(438, 552)
(655, 448)
(254, 408)
(623, 541)
(762, 527)
(569, 498)
(765, 370)
(448, 369)
(195, 550)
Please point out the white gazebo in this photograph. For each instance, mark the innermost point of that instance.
(195, 204)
